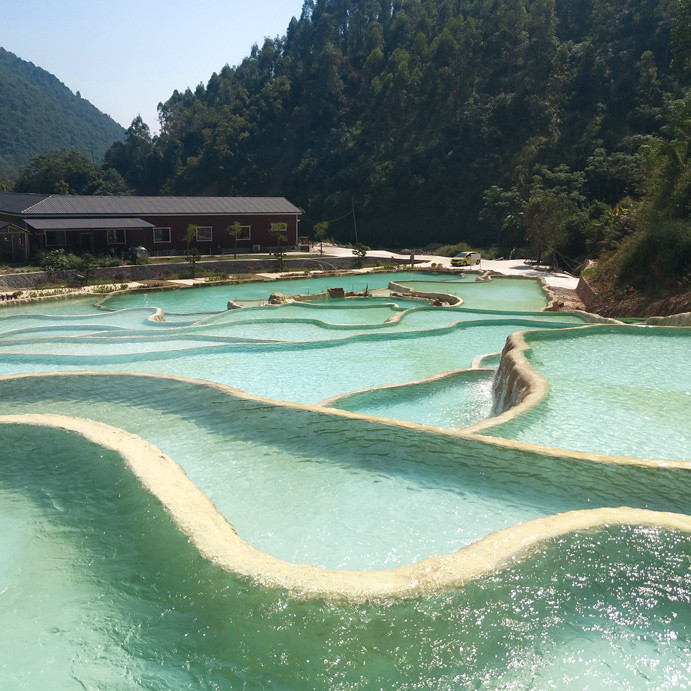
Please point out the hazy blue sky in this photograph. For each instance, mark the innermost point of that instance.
(126, 56)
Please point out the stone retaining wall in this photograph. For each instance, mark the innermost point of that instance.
(144, 272)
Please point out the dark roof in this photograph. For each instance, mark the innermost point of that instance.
(82, 205)
(90, 223)
(12, 203)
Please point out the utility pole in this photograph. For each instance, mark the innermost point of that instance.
(352, 204)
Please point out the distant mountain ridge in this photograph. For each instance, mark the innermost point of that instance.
(40, 115)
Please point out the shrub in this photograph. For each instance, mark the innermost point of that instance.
(658, 256)
(107, 261)
(214, 275)
(452, 250)
(54, 261)
(101, 289)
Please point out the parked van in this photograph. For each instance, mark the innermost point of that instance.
(466, 259)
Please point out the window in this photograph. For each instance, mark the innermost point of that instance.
(245, 233)
(161, 235)
(204, 234)
(115, 236)
(55, 238)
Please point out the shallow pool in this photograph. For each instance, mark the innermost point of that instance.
(509, 294)
(402, 497)
(615, 390)
(456, 400)
(215, 298)
(102, 589)
(303, 372)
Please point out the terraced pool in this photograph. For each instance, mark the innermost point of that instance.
(365, 471)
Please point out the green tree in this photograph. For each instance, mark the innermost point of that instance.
(416, 109)
(61, 187)
(235, 230)
(193, 258)
(133, 157)
(546, 217)
(278, 231)
(319, 235)
(68, 172)
(190, 234)
(681, 38)
(359, 252)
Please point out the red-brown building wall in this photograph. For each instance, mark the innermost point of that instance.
(260, 232)
(95, 241)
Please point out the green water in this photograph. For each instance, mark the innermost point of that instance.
(100, 590)
(299, 372)
(215, 298)
(104, 592)
(498, 294)
(617, 390)
(271, 471)
(457, 401)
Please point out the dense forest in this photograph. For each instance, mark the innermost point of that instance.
(40, 115)
(559, 127)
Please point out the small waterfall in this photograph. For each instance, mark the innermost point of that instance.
(512, 381)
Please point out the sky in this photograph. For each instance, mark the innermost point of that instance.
(127, 56)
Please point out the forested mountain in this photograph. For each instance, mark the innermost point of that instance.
(40, 115)
(560, 127)
(436, 119)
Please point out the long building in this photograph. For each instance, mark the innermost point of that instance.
(162, 225)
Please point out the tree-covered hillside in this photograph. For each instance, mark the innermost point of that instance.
(438, 119)
(40, 115)
(561, 128)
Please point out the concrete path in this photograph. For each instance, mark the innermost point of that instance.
(507, 267)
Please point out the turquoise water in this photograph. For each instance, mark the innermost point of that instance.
(402, 496)
(102, 590)
(637, 380)
(498, 294)
(215, 298)
(455, 401)
(299, 372)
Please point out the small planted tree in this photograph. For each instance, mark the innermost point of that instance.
(235, 230)
(278, 231)
(190, 234)
(319, 235)
(88, 263)
(193, 258)
(359, 252)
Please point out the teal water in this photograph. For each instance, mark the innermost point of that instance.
(215, 298)
(509, 294)
(104, 592)
(402, 496)
(616, 390)
(297, 372)
(101, 589)
(456, 401)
